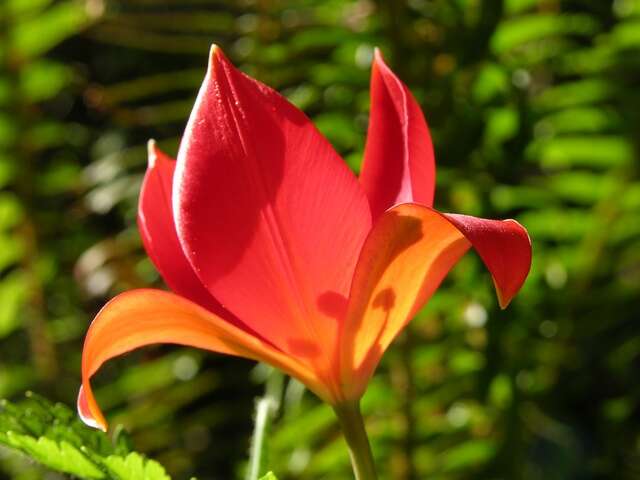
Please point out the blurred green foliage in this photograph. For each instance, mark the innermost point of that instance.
(534, 107)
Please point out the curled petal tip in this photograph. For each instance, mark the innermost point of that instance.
(505, 297)
(506, 294)
(521, 227)
(88, 415)
(505, 248)
(503, 300)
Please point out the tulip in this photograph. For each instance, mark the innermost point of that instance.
(276, 252)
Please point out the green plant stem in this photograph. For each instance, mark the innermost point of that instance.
(263, 407)
(355, 434)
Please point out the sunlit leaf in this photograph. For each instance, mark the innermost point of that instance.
(581, 119)
(502, 124)
(52, 435)
(8, 130)
(516, 31)
(473, 452)
(40, 33)
(13, 294)
(23, 7)
(576, 93)
(593, 151)
(491, 82)
(43, 79)
(339, 129)
(582, 186)
(627, 34)
(269, 476)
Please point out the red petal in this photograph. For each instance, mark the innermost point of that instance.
(407, 254)
(505, 248)
(399, 165)
(144, 317)
(158, 232)
(269, 215)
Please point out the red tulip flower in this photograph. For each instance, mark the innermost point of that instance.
(276, 252)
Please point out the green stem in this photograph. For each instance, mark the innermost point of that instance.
(355, 434)
(266, 409)
(263, 407)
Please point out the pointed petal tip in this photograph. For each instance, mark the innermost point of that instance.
(152, 155)
(399, 163)
(218, 62)
(378, 58)
(88, 415)
(504, 297)
(156, 156)
(215, 55)
(240, 133)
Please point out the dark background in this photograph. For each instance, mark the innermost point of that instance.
(534, 107)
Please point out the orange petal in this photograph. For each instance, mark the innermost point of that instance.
(144, 317)
(408, 253)
(406, 256)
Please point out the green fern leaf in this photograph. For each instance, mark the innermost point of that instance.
(52, 435)
(269, 476)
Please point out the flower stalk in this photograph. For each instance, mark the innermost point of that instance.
(352, 425)
(263, 410)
